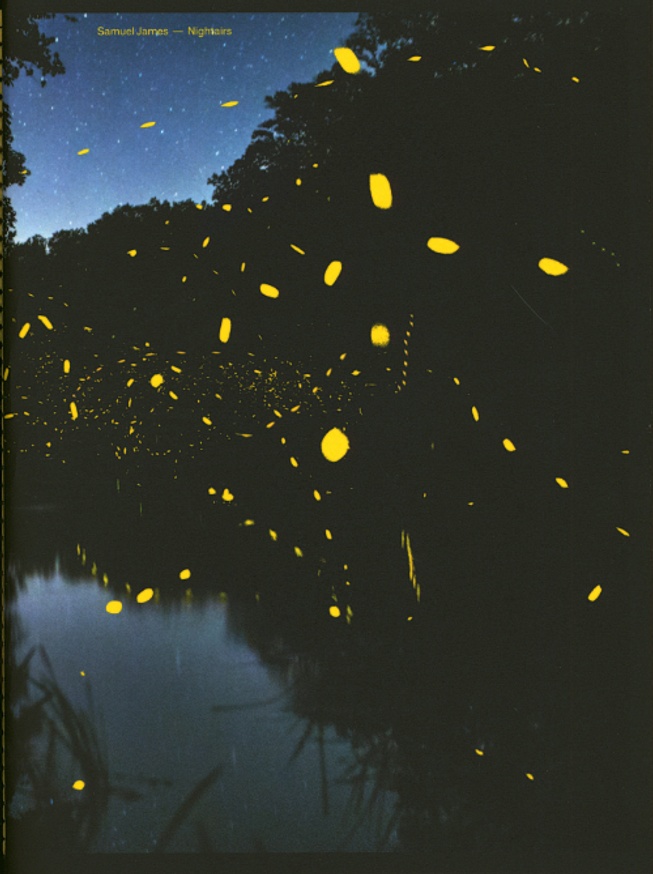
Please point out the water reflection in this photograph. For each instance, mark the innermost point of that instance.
(233, 713)
(200, 733)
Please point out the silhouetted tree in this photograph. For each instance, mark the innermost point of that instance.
(27, 50)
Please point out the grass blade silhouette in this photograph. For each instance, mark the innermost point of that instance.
(186, 806)
(302, 742)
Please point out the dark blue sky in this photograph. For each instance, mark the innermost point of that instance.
(114, 84)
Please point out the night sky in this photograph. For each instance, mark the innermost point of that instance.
(114, 84)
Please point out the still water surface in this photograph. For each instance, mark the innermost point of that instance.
(177, 693)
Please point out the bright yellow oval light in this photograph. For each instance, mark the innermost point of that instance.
(332, 272)
(113, 607)
(380, 190)
(347, 60)
(145, 596)
(552, 267)
(269, 290)
(225, 330)
(380, 335)
(335, 445)
(442, 245)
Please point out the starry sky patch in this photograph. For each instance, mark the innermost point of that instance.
(115, 84)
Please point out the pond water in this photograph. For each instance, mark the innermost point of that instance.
(239, 711)
(178, 694)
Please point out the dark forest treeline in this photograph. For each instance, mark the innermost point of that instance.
(26, 50)
(477, 146)
(501, 151)
(506, 154)
(512, 163)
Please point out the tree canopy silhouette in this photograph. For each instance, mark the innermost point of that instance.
(175, 357)
(27, 50)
